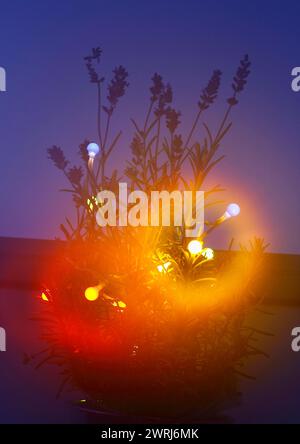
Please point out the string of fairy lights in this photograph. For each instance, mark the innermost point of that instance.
(195, 247)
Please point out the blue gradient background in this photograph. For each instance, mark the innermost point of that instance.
(49, 100)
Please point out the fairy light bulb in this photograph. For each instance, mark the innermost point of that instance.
(232, 210)
(208, 253)
(91, 293)
(93, 150)
(195, 246)
(163, 267)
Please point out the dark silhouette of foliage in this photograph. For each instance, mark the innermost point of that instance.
(240, 79)
(57, 156)
(83, 150)
(116, 88)
(75, 174)
(157, 87)
(209, 94)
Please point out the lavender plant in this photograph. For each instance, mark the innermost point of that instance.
(157, 339)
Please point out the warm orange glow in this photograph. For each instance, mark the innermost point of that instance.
(44, 297)
(195, 246)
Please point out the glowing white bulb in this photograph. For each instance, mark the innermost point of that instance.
(92, 149)
(195, 246)
(208, 253)
(232, 210)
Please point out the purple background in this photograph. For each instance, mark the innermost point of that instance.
(49, 100)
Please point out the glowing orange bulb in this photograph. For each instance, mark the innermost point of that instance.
(91, 293)
(195, 246)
